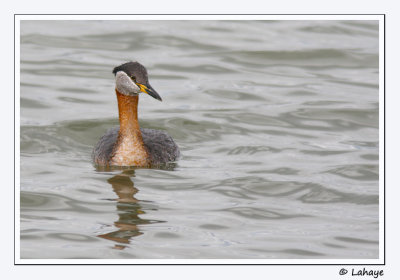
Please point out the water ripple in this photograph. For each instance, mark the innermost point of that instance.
(277, 122)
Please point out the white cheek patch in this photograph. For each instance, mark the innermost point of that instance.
(125, 85)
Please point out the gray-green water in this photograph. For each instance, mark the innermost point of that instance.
(277, 122)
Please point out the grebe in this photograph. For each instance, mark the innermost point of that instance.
(128, 144)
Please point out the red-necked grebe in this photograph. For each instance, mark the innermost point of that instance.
(128, 144)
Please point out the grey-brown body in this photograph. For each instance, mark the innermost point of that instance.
(160, 146)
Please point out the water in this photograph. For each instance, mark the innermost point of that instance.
(277, 122)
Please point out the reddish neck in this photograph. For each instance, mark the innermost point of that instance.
(128, 120)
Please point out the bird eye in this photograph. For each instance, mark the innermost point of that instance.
(133, 78)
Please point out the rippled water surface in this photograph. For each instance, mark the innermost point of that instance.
(277, 122)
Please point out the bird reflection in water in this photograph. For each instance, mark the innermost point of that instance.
(129, 209)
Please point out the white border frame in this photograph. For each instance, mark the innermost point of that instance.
(380, 18)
